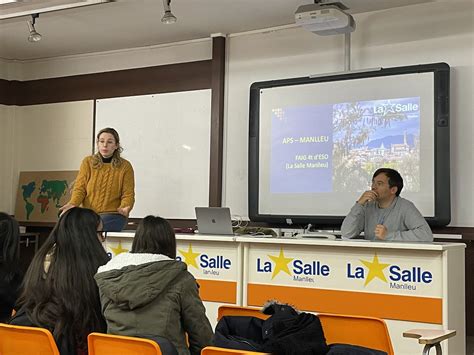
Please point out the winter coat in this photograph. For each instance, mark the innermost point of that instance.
(286, 332)
(151, 294)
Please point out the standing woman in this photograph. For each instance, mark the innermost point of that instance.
(105, 183)
(10, 274)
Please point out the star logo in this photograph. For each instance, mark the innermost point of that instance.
(281, 263)
(190, 256)
(119, 249)
(375, 270)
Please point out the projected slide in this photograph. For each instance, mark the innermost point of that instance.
(336, 148)
(302, 149)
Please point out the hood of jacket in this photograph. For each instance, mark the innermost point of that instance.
(132, 280)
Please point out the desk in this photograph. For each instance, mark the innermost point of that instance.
(410, 285)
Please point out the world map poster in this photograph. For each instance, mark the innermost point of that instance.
(41, 193)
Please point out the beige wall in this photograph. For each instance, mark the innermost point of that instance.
(41, 137)
(7, 157)
(10, 69)
(117, 60)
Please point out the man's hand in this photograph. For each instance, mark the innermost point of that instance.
(367, 196)
(65, 208)
(380, 231)
(124, 211)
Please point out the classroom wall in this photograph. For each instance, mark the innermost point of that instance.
(432, 32)
(9, 69)
(180, 52)
(6, 157)
(44, 138)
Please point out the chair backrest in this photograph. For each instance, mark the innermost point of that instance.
(346, 329)
(240, 311)
(108, 344)
(19, 340)
(356, 330)
(211, 350)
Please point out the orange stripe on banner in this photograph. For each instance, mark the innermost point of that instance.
(218, 291)
(407, 308)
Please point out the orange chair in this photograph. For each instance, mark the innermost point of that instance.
(363, 331)
(19, 340)
(108, 344)
(240, 311)
(356, 330)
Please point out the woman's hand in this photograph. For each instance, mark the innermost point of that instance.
(124, 211)
(65, 208)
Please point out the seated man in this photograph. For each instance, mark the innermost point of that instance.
(382, 214)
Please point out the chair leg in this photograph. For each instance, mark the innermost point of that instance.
(426, 349)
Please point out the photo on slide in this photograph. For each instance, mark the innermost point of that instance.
(368, 135)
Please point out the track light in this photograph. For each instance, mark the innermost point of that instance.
(168, 17)
(34, 35)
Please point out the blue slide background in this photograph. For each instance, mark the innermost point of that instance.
(297, 126)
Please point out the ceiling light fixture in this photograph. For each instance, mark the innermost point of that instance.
(34, 35)
(168, 17)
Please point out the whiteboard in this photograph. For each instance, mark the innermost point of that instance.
(166, 138)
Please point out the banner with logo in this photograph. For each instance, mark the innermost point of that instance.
(384, 283)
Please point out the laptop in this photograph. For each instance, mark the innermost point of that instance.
(214, 220)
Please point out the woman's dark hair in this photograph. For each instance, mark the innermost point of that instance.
(394, 178)
(155, 236)
(9, 245)
(116, 159)
(62, 295)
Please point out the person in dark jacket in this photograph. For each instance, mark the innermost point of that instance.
(10, 274)
(59, 291)
(148, 293)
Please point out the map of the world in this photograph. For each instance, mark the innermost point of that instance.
(42, 193)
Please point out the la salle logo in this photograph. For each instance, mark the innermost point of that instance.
(297, 268)
(375, 268)
(210, 265)
(398, 277)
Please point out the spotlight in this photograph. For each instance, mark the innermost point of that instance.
(34, 35)
(168, 17)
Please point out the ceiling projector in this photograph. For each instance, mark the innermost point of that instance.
(324, 19)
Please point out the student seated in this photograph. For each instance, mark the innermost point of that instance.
(10, 274)
(60, 293)
(147, 293)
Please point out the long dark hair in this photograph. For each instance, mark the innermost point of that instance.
(63, 296)
(9, 245)
(155, 236)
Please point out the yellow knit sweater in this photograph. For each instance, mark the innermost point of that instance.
(104, 189)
